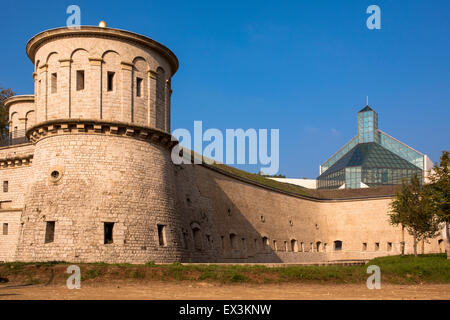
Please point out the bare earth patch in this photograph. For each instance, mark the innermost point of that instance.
(206, 291)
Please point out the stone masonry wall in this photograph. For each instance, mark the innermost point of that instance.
(16, 174)
(248, 223)
(103, 178)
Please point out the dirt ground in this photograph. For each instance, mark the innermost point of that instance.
(206, 291)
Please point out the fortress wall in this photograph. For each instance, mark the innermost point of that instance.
(367, 221)
(16, 172)
(243, 215)
(9, 233)
(250, 213)
(11, 202)
(104, 178)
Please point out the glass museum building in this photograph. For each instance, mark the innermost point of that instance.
(371, 159)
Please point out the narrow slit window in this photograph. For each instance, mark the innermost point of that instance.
(377, 246)
(138, 87)
(80, 80)
(364, 246)
(233, 243)
(197, 238)
(5, 186)
(5, 229)
(108, 231)
(389, 246)
(162, 235)
(110, 81)
(50, 231)
(54, 82)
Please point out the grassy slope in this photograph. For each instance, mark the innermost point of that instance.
(263, 180)
(396, 269)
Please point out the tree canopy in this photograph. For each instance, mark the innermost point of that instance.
(414, 209)
(4, 118)
(440, 187)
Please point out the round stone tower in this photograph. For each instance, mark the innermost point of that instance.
(21, 115)
(103, 181)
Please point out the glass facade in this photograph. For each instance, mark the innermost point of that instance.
(338, 155)
(367, 125)
(401, 149)
(371, 159)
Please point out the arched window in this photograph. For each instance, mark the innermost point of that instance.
(196, 234)
(318, 243)
(441, 246)
(233, 241)
(337, 245)
(294, 246)
(265, 243)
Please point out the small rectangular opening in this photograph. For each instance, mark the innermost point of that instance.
(162, 235)
(389, 246)
(50, 231)
(5, 186)
(138, 87)
(110, 81)
(5, 229)
(108, 231)
(338, 245)
(364, 246)
(377, 246)
(233, 243)
(54, 82)
(80, 80)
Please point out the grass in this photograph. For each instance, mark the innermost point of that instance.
(434, 268)
(263, 180)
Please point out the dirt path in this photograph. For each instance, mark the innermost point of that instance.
(203, 290)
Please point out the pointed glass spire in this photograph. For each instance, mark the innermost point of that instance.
(367, 125)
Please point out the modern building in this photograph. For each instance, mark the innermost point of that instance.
(372, 158)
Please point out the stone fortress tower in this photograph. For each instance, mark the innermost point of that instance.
(102, 185)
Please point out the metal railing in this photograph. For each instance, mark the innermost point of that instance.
(13, 138)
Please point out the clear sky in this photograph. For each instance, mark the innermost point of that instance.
(303, 67)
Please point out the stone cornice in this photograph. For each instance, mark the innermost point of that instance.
(92, 126)
(17, 161)
(20, 98)
(89, 31)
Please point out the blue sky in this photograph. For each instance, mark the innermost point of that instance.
(303, 67)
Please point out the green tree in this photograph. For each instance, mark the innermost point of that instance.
(440, 193)
(413, 209)
(4, 119)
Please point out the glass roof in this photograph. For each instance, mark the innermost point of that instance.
(370, 155)
(366, 108)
